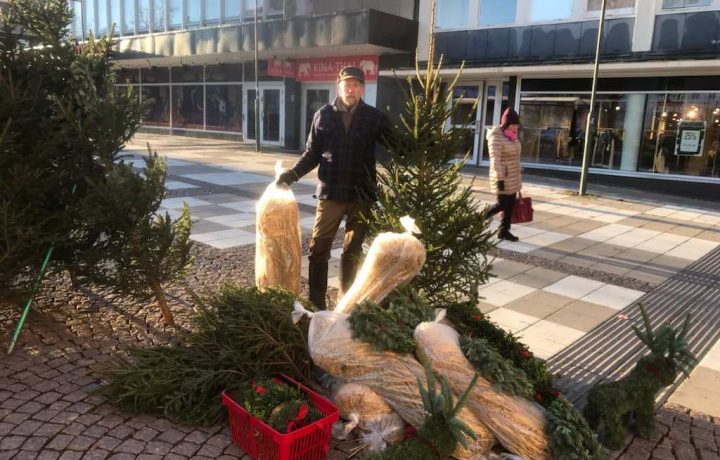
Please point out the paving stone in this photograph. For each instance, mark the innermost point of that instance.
(6, 428)
(158, 447)
(704, 444)
(661, 453)
(123, 456)
(7, 455)
(12, 403)
(173, 456)
(678, 435)
(60, 442)
(636, 452)
(27, 428)
(75, 396)
(59, 405)
(684, 451)
(708, 455)
(145, 434)
(30, 407)
(197, 436)
(45, 415)
(185, 448)
(110, 421)
(95, 431)
(81, 443)
(16, 418)
(74, 429)
(220, 440)
(65, 417)
(702, 433)
(209, 450)
(70, 455)
(122, 431)
(48, 397)
(107, 443)
(35, 443)
(149, 457)
(26, 395)
(171, 436)
(96, 454)
(48, 455)
(12, 442)
(131, 446)
(49, 429)
(647, 444)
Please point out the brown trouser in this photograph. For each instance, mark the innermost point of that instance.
(328, 216)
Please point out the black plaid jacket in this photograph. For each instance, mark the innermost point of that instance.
(346, 158)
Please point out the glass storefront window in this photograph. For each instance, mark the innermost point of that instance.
(212, 11)
(115, 18)
(193, 13)
(157, 105)
(76, 26)
(594, 5)
(232, 10)
(224, 107)
(102, 18)
(634, 132)
(89, 10)
(452, 14)
(155, 75)
(494, 12)
(158, 20)
(143, 24)
(175, 14)
(550, 10)
(129, 20)
(674, 4)
(188, 103)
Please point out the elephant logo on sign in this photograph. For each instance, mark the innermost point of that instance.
(367, 66)
(304, 70)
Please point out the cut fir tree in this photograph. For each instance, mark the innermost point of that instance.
(421, 178)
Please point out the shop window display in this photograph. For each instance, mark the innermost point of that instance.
(188, 103)
(157, 105)
(224, 107)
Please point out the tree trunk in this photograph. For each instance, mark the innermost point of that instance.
(162, 303)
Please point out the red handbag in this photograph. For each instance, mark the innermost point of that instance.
(522, 211)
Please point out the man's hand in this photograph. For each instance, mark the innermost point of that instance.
(286, 178)
(501, 185)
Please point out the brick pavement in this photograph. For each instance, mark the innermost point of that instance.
(47, 409)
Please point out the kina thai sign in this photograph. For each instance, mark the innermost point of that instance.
(323, 69)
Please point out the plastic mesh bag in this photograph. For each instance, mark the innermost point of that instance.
(278, 241)
(393, 259)
(392, 376)
(517, 423)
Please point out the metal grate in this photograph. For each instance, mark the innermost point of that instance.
(611, 350)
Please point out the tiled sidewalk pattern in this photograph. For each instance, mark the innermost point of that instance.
(549, 310)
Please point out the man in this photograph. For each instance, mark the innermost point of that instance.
(342, 142)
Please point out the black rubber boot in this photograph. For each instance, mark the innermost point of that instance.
(348, 271)
(317, 280)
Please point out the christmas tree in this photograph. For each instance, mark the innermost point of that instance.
(420, 177)
(63, 124)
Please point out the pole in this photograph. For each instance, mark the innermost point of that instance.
(257, 85)
(589, 127)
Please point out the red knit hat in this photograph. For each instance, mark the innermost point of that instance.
(510, 117)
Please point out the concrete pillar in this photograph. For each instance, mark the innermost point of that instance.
(633, 131)
(423, 29)
(644, 24)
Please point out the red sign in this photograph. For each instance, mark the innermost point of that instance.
(323, 69)
(278, 68)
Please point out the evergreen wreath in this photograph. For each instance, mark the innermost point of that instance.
(501, 372)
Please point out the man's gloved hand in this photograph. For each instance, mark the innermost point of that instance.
(501, 185)
(286, 178)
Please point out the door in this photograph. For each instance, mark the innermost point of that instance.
(314, 97)
(466, 118)
(495, 103)
(272, 114)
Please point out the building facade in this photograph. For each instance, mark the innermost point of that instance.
(193, 60)
(658, 99)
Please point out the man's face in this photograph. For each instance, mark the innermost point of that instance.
(350, 91)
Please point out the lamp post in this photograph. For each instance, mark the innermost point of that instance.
(590, 125)
(257, 85)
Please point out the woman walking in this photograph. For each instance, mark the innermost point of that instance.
(505, 174)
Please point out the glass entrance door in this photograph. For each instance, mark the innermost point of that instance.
(314, 97)
(466, 118)
(272, 114)
(495, 103)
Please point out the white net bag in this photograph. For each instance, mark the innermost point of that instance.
(392, 376)
(278, 240)
(393, 259)
(518, 424)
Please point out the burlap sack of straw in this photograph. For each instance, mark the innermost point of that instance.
(393, 259)
(516, 422)
(368, 411)
(278, 245)
(392, 376)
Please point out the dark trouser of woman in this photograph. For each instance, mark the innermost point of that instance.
(505, 203)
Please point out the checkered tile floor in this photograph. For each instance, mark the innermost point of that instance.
(548, 309)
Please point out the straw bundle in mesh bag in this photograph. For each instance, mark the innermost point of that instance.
(517, 423)
(368, 411)
(278, 244)
(393, 259)
(393, 376)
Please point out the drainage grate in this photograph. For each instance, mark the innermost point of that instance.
(611, 349)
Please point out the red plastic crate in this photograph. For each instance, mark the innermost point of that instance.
(261, 442)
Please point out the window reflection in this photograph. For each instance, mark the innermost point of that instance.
(188, 105)
(224, 107)
(157, 105)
